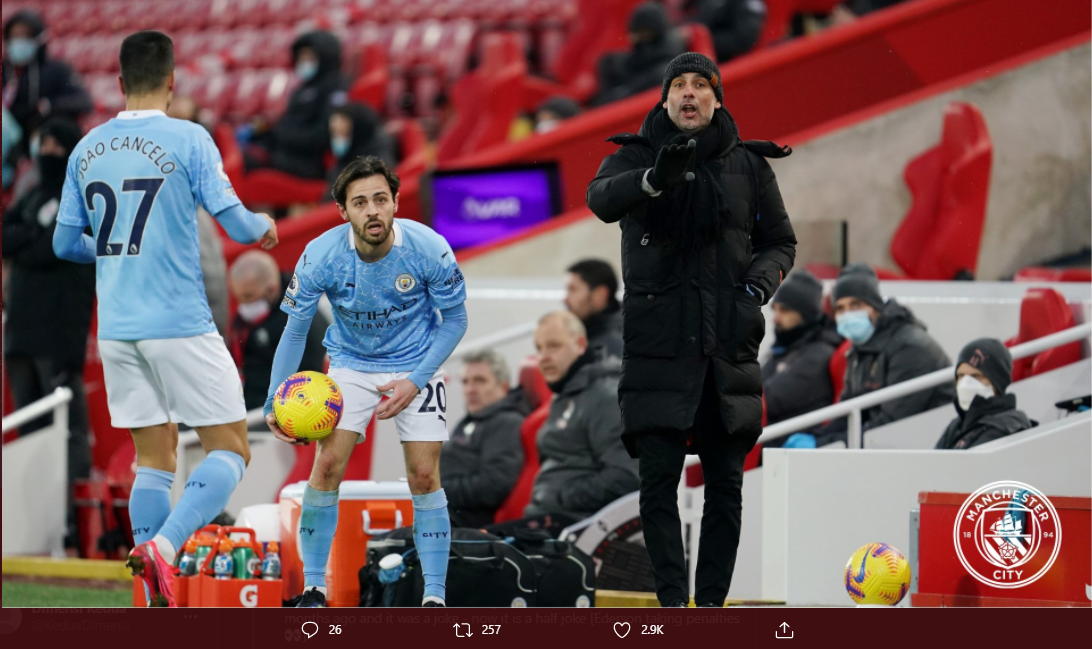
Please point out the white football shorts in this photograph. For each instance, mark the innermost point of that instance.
(423, 420)
(190, 381)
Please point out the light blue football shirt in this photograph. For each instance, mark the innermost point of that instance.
(137, 181)
(385, 313)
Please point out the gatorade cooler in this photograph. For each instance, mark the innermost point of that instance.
(366, 508)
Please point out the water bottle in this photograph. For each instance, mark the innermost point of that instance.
(390, 571)
(223, 566)
(271, 564)
(187, 564)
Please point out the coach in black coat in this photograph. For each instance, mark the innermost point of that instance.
(705, 242)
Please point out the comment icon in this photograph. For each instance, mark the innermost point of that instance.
(309, 629)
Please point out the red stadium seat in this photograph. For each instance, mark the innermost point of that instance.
(412, 145)
(600, 28)
(1042, 274)
(699, 39)
(838, 369)
(940, 235)
(370, 87)
(1043, 311)
(513, 506)
(486, 100)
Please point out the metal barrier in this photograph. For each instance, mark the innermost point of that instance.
(57, 402)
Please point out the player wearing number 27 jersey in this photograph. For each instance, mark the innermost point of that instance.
(137, 182)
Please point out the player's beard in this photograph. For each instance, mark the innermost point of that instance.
(373, 240)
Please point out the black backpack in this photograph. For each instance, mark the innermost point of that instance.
(482, 571)
(565, 574)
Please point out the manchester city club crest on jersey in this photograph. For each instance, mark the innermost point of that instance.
(404, 283)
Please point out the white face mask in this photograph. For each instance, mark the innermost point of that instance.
(254, 311)
(968, 388)
(547, 125)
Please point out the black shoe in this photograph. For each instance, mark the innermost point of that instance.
(678, 604)
(311, 599)
(433, 602)
(710, 605)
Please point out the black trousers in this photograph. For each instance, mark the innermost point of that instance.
(661, 463)
(32, 378)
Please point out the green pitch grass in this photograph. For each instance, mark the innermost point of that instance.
(37, 595)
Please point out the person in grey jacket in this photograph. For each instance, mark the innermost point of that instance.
(584, 465)
(889, 346)
(986, 412)
(482, 461)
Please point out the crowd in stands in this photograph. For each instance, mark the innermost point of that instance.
(582, 463)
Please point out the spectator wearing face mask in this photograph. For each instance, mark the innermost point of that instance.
(356, 131)
(36, 86)
(889, 346)
(553, 111)
(985, 411)
(49, 300)
(300, 139)
(257, 286)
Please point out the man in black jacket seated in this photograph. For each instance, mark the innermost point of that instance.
(705, 242)
(481, 462)
(796, 378)
(986, 412)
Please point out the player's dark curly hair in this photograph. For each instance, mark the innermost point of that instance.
(363, 168)
(147, 61)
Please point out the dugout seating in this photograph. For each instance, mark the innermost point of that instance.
(538, 395)
(1043, 311)
(940, 235)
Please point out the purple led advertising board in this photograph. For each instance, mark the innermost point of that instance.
(475, 206)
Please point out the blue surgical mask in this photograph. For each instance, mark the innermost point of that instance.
(856, 326)
(340, 146)
(22, 50)
(306, 70)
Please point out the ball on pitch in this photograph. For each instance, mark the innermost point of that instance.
(308, 405)
(877, 573)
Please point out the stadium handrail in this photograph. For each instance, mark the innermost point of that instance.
(57, 402)
(853, 407)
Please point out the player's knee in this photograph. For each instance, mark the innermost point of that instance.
(327, 473)
(423, 480)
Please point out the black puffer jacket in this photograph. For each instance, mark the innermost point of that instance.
(301, 137)
(681, 312)
(987, 420)
(605, 330)
(584, 466)
(42, 79)
(900, 350)
(482, 461)
(796, 379)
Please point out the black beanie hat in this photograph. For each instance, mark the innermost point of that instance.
(802, 293)
(992, 358)
(693, 62)
(859, 281)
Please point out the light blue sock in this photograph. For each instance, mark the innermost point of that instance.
(149, 502)
(318, 522)
(207, 492)
(432, 536)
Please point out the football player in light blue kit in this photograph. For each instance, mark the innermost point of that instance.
(137, 181)
(397, 297)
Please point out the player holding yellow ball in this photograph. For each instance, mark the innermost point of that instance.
(397, 297)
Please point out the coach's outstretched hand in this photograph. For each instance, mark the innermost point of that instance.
(271, 421)
(404, 392)
(674, 165)
(269, 239)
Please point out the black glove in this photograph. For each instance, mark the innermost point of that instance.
(674, 164)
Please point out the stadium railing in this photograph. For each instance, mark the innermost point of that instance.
(34, 522)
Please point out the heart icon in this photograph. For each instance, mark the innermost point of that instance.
(621, 629)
